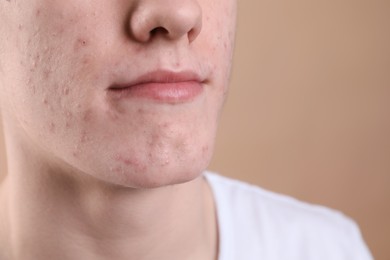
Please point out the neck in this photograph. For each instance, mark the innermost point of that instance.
(54, 216)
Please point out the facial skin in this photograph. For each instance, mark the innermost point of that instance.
(58, 60)
(97, 175)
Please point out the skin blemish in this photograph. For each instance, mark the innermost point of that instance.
(141, 111)
(52, 128)
(80, 43)
(68, 115)
(46, 73)
(134, 162)
(75, 154)
(65, 91)
(85, 60)
(45, 102)
(87, 116)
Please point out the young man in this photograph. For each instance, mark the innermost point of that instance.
(110, 110)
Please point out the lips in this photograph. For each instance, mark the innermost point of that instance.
(160, 86)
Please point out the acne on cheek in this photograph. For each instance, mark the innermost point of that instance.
(79, 44)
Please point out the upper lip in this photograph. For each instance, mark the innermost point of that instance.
(160, 76)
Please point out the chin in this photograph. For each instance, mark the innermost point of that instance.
(142, 173)
(151, 177)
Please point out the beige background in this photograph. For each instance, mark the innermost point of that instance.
(308, 111)
(309, 107)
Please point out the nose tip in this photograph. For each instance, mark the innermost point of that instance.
(172, 19)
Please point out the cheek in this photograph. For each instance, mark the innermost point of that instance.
(217, 36)
(48, 93)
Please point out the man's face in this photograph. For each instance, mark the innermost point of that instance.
(127, 91)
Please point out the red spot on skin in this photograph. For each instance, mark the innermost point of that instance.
(20, 27)
(141, 111)
(60, 30)
(87, 116)
(130, 162)
(52, 128)
(164, 125)
(46, 74)
(85, 60)
(38, 12)
(68, 114)
(80, 43)
(65, 91)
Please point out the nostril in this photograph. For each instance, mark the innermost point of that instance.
(171, 20)
(158, 30)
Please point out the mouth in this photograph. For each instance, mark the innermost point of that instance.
(160, 86)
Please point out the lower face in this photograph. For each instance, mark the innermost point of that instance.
(58, 63)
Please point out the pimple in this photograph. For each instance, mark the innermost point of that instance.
(165, 125)
(75, 154)
(38, 12)
(141, 111)
(68, 114)
(87, 116)
(59, 31)
(46, 73)
(65, 91)
(85, 60)
(52, 128)
(80, 42)
(128, 161)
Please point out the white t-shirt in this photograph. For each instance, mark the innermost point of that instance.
(255, 224)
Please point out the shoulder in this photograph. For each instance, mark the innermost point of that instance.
(281, 227)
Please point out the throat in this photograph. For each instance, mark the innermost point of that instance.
(147, 224)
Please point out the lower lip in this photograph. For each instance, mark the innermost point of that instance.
(175, 92)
